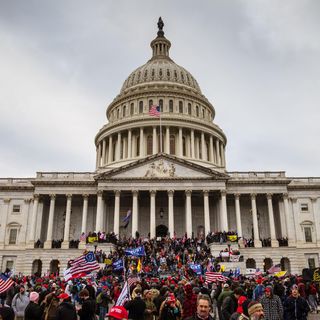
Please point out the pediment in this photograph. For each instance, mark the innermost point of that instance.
(162, 166)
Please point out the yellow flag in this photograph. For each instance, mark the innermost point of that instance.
(280, 274)
(222, 268)
(139, 266)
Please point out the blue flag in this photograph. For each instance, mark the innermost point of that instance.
(196, 268)
(136, 252)
(117, 265)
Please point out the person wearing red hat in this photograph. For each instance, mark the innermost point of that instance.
(118, 313)
(272, 305)
(66, 310)
(170, 309)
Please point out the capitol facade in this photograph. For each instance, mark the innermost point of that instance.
(168, 172)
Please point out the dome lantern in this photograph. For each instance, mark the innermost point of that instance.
(160, 45)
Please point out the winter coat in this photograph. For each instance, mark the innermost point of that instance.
(51, 306)
(136, 308)
(66, 311)
(229, 306)
(296, 308)
(272, 307)
(189, 306)
(88, 310)
(6, 313)
(19, 304)
(33, 311)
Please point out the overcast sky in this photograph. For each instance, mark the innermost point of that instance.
(62, 62)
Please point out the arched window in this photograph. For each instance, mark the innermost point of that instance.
(202, 113)
(197, 111)
(55, 266)
(250, 263)
(37, 267)
(131, 109)
(149, 144)
(170, 105)
(141, 107)
(189, 108)
(267, 264)
(161, 105)
(124, 110)
(118, 113)
(285, 265)
(172, 144)
(150, 102)
(180, 107)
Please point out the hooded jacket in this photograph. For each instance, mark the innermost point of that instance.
(19, 304)
(272, 306)
(66, 311)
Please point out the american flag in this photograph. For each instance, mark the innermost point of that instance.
(5, 283)
(124, 295)
(132, 280)
(215, 276)
(86, 263)
(274, 269)
(154, 111)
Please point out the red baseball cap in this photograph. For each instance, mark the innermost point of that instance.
(118, 312)
(63, 296)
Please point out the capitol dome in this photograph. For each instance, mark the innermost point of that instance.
(183, 128)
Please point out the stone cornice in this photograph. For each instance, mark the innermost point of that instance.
(63, 183)
(260, 181)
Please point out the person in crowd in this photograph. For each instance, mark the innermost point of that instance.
(103, 300)
(66, 310)
(272, 305)
(224, 293)
(295, 307)
(51, 303)
(151, 309)
(312, 297)
(33, 310)
(20, 302)
(203, 308)
(189, 306)
(118, 313)
(255, 311)
(88, 307)
(136, 307)
(6, 313)
(170, 310)
(230, 304)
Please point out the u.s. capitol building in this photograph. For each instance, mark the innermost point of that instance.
(170, 171)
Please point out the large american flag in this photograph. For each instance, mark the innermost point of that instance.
(215, 276)
(132, 280)
(154, 111)
(5, 283)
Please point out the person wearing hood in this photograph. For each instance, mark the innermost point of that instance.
(272, 305)
(19, 303)
(33, 310)
(66, 310)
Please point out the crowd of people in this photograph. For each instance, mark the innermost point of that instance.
(168, 282)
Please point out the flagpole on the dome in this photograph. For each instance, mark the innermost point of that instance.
(160, 111)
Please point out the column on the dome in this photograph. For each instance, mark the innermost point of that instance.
(134, 212)
(118, 147)
(315, 207)
(134, 146)
(116, 224)
(124, 148)
(188, 213)
(203, 147)
(167, 144)
(274, 241)
(103, 152)
(110, 155)
(141, 146)
(33, 220)
(84, 213)
(211, 156)
(256, 237)
(188, 145)
(289, 225)
(99, 211)
(48, 242)
(152, 214)
(154, 140)
(192, 144)
(223, 162)
(99, 155)
(180, 143)
(223, 211)
(66, 233)
(129, 144)
(206, 211)
(197, 147)
(170, 213)
(238, 217)
(218, 152)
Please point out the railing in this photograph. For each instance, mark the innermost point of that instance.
(65, 175)
(257, 175)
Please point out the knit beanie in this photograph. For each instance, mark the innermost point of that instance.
(34, 296)
(253, 307)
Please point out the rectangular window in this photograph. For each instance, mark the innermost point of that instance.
(308, 234)
(311, 263)
(16, 209)
(304, 207)
(9, 265)
(13, 236)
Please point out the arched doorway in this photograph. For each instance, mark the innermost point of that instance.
(55, 266)
(251, 263)
(161, 230)
(37, 267)
(267, 264)
(285, 265)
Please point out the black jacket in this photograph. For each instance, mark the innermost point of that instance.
(136, 308)
(88, 310)
(66, 311)
(229, 306)
(296, 308)
(33, 311)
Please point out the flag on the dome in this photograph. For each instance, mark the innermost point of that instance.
(5, 283)
(154, 111)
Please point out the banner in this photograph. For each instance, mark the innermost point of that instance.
(232, 238)
(234, 258)
(136, 252)
(196, 268)
(117, 265)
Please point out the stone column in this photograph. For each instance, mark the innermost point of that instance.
(211, 156)
(48, 242)
(188, 213)
(223, 212)
(256, 237)
(82, 244)
(170, 213)
(218, 152)
(3, 223)
(206, 212)
(124, 148)
(134, 146)
(274, 241)
(167, 144)
(116, 224)
(33, 221)
(289, 225)
(222, 155)
(295, 209)
(152, 214)
(238, 218)
(129, 144)
(154, 141)
(99, 155)
(203, 147)
(141, 146)
(180, 142)
(103, 152)
(65, 243)
(99, 215)
(192, 144)
(118, 147)
(315, 208)
(110, 150)
(134, 212)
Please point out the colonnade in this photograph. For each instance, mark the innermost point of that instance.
(222, 215)
(133, 143)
